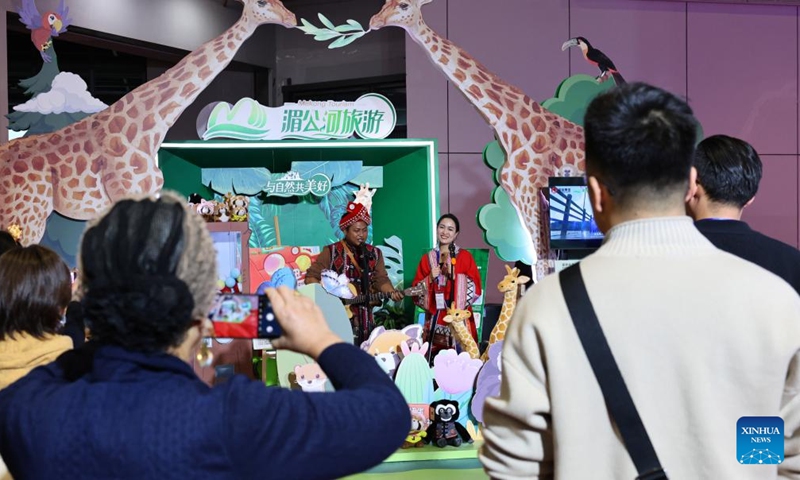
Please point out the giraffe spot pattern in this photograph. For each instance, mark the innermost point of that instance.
(475, 91)
(133, 130)
(494, 96)
(189, 90)
(116, 147)
(97, 165)
(138, 164)
(515, 143)
(149, 122)
(80, 165)
(460, 76)
(116, 125)
(511, 122)
(526, 132)
(516, 179)
(167, 94)
(205, 73)
(539, 124)
(522, 160)
(167, 110)
(540, 143)
(144, 145)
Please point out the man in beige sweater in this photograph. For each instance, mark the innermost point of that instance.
(701, 337)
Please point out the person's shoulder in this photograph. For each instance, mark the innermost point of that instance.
(779, 247)
(739, 274)
(541, 301)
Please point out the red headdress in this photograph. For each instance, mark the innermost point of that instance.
(356, 212)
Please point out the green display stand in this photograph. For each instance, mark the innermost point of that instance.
(406, 205)
(429, 463)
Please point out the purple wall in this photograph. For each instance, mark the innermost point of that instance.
(738, 64)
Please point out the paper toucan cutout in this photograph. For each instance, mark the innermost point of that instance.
(596, 58)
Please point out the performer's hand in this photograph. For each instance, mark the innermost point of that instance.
(397, 295)
(304, 327)
(435, 272)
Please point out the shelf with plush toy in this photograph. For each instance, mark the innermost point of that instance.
(231, 242)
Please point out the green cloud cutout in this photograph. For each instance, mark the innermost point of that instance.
(573, 96)
(503, 229)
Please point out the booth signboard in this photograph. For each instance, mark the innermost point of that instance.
(293, 184)
(372, 116)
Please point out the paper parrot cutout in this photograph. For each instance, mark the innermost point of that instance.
(596, 58)
(43, 27)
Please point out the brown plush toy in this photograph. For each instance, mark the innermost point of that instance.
(237, 205)
(221, 212)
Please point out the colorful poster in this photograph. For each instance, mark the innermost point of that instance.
(267, 265)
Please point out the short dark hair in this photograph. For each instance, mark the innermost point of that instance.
(451, 217)
(148, 269)
(7, 242)
(640, 140)
(729, 169)
(35, 289)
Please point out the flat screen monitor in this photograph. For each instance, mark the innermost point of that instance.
(571, 217)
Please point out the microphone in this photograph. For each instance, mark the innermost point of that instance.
(452, 260)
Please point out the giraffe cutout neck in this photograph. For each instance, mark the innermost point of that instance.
(538, 143)
(456, 319)
(509, 286)
(80, 170)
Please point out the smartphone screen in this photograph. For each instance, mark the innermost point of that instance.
(243, 316)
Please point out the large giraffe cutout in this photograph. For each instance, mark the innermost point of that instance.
(456, 319)
(538, 143)
(509, 287)
(83, 168)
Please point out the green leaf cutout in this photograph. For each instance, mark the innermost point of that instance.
(326, 22)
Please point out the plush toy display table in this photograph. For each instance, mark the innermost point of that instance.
(429, 463)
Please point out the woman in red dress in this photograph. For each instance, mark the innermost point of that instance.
(449, 275)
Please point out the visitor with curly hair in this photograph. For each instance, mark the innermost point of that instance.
(128, 404)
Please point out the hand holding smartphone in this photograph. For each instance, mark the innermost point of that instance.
(237, 315)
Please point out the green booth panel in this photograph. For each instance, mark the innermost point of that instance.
(405, 206)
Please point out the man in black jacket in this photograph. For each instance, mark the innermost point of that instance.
(728, 174)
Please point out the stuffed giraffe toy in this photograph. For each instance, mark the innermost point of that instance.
(509, 287)
(456, 320)
(538, 143)
(80, 170)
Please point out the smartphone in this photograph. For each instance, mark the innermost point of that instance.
(237, 315)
